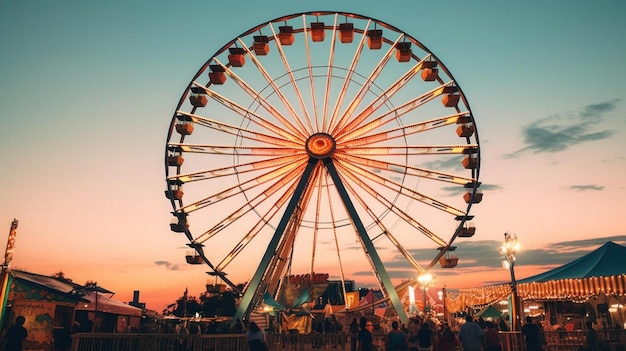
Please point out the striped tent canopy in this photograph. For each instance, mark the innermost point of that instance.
(602, 271)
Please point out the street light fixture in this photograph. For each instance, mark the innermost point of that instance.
(508, 250)
(426, 280)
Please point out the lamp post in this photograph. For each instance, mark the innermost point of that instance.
(5, 269)
(425, 281)
(508, 250)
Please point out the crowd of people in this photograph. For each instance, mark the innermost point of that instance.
(426, 335)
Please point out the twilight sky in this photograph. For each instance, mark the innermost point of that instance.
(87, 91)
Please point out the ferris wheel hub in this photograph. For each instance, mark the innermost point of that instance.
(320, 145)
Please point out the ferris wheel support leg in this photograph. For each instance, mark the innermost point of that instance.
(371, 250)
(250, 295)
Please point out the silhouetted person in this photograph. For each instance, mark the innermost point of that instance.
(256, 338)
(413, 329)
(354, 331)
(448, 341)
(16, 335)
(425, 337)
(592, 338)
(502, 325)
(531, 335)
(396, 339)
(492, 339)
(471, 335)
(364, 338)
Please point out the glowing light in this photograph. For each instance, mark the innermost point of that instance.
(320, 145)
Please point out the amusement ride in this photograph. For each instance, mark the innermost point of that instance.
(322, 142)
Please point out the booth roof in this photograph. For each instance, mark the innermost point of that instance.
(107, 305)
(607, 260)
(45, 281)
(80, 293)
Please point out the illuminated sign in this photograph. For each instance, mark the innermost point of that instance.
(315, 278)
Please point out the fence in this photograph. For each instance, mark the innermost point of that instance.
(605, 340)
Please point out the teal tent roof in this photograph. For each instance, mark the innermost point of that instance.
(607, 260)
(489, 312)
(269, 300)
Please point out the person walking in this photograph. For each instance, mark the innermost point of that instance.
(471, 336)
(492, 337)
(396, 339)
(256, 338)
(413, 329)
(425, 337)
(448, 341)
(16, 335)
(532, 339)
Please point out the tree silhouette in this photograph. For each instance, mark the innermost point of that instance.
(61, 276)
(187, 306)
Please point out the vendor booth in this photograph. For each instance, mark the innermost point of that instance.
(592, 287)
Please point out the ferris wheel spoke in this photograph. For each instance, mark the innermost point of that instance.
(404, 169)
(256, 229)
(359, 97)
(334, 228)
(329, 75)
(384, 230)
(241, 168)
(408, 106)
(400, 213)
(309, 65)
(283, 256)
(295, 133)
(291, 133)
(276, 89)
(237, 131)
(354, 130)
(249, 206)
(401, 189)
(289, 169)
(413, 150)
(402, 131)
(347, 80)
(320, 179)
(234, 150)
(294, 85)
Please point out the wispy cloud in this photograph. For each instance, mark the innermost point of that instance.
(167, 265)
(457, 190)
(453, 163)
(587, 187)
(559, 132)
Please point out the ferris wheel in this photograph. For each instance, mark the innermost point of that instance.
(322, 142)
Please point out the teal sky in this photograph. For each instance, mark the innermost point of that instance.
(87, 91)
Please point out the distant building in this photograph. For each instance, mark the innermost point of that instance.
(135, 302)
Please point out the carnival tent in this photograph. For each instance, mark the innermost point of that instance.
(607, 260)
(602, 271)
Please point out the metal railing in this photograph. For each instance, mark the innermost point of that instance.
(601, 340)
(212, 342)
(604, 340)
